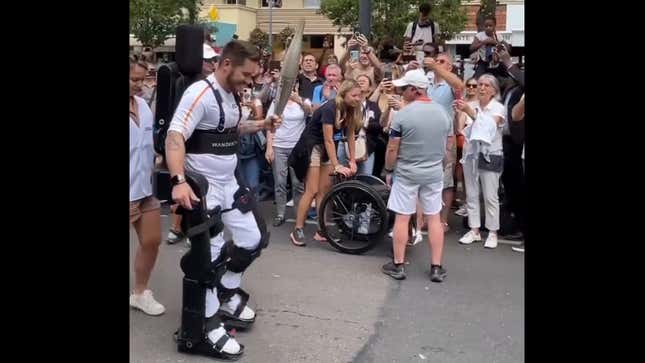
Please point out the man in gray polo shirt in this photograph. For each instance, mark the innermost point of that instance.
(415, 154)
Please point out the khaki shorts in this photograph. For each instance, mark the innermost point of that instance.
(316, 154)
(449, 169)
(141, 206)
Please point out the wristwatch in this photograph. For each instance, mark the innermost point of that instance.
(177, 179)
(389, 171)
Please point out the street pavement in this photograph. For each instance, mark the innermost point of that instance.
(315, 304)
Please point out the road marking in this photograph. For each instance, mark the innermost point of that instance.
(307, 221)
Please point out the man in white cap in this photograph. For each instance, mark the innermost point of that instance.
(211, 58)
(415, 154)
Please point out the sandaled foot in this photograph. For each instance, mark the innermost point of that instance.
(235, 314)
(217, 344)
(319, 237)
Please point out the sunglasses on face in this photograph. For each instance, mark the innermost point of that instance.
(471, 85)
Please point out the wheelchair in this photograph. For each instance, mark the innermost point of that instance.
(353, 216)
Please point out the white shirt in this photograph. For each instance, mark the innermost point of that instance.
(494, 108)
(293, 124)
(198, 109)
(481, 36)
(421, 33)
(142, 153)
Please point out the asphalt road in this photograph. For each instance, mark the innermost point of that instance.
(314, 304)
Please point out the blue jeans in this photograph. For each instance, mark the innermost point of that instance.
(250, 169)
(364, 167)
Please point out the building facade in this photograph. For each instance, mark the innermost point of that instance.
(240, 17)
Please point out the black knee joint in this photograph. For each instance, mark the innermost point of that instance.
(216, 270)
(240, 258)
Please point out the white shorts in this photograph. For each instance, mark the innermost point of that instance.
(404, 196)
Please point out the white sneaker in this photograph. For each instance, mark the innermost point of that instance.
(462, 211)
(391, 234)
(418, 237)
(290, 203)
(146, 303)
(469, 238)
(491, 241)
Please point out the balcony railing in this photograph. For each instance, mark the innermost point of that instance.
(468, 36)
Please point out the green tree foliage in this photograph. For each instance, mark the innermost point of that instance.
(390, 17)
(154, 21)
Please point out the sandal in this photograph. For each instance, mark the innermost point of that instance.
(233, 320)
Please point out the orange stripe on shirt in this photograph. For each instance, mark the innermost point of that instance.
(190, 110)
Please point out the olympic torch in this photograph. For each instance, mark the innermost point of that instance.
(290, 68)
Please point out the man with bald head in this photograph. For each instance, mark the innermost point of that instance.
(329, 88)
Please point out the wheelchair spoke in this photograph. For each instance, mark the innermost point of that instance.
(336, 219)
(337, 199)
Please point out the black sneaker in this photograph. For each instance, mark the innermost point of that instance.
(437, 273)
(298, 237)
(278, 221)
(516, 237)
(396, 272)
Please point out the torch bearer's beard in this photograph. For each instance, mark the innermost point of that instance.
(235, 84)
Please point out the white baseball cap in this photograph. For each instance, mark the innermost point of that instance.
(209, 52)
(415, 78)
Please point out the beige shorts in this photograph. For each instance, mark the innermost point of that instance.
(449, 169)
(141, 206)
(316, 155)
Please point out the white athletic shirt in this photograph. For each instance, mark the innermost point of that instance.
(293, 124)
(424, 33)
(198, 109)
(142, 153)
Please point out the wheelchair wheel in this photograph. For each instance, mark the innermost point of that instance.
(353, 217)
(369, 179)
